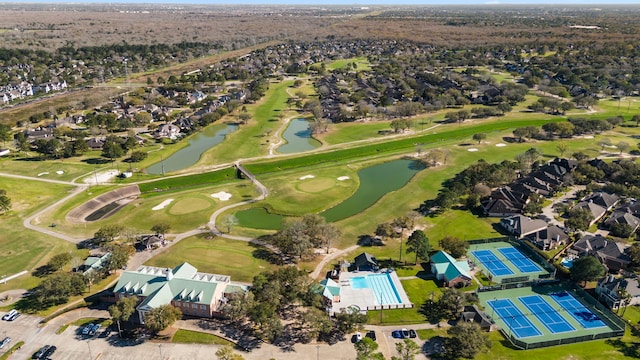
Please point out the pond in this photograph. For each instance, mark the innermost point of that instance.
(298, 137)
(375, 182)
(190, 154)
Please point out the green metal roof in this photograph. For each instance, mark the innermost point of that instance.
(450, 267)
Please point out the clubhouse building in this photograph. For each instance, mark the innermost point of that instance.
(194, 293)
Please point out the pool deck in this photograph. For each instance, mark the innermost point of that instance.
(365, 298)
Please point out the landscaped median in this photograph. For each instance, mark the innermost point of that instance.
(196, 337)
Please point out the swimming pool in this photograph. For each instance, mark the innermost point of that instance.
(382, 286)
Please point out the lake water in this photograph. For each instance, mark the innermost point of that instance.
(298, 137)
(190, 154)
(375, 182)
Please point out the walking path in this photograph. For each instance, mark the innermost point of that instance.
(329, 257)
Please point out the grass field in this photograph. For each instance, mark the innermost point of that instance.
(238, 259)
(418, 291)
(20, 248)
(196, 337)
(362, 64)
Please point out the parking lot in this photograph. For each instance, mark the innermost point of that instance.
(71, 344)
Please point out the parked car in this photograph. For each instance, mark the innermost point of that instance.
(94, 329)
(4, 342)
(86, 329)
(14, 316)
(40, 353)
(371, 335)
(358, 336)
(405, 333)
(9, 314)
(49, 352)
(412, 334)
(397, 334)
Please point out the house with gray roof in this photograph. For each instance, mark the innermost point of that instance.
(623, 216)
(451, 271)
(472, 313)
(549, 238)
(194, 293)
(366, 262)
(521, 226)
(610, 253)
(610, 287)
(596, 211)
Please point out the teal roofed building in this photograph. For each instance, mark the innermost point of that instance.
(330, 290)
(94, 263)
(194, 293)
(451, 271)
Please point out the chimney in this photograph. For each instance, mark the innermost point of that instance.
(168, 274)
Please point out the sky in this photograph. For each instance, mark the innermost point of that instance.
(345, 2)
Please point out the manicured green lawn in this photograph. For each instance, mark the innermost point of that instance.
(418, 291)
(362, 64)
(196, 337)
(462, 224)
(238, 259)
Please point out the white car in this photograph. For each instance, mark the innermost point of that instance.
(358, 336)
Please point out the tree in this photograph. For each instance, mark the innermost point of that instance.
(453, 301)
(636, 118)
(578, 219)
(5, 133)
(312, 322)
(621, 230)
(226, 353)
(112, 150)
(385, 230)
(418, 243)
(634, 253)
(161, 228)
(349, 320)
(479, 137)
(623, 146)
(120, 254)
(90, 277)
(604, 142)
(56, 289)
(5, 201)
(407, 349)
(107, 233)
(454, 246)
(244, 117)
(587, 268)
(22, 143)
(122, 310)
(237, 306)
(562, 148)
(58, 261)
(466, 340)
(229, 221)
(138, 156)
(160, 318)
(365, 349)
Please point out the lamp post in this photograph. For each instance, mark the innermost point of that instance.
(492, 308)
(510, 324)
(318, 352)
(160, 348)
(89, 346)
(380, 307)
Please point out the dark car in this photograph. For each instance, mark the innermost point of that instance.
(49, 351)
(41, 352)
(86, 329)
(371, 335)
(405, 333)
(412, 334)
(397, 334)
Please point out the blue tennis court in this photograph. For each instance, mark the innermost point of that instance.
(492, 263)
(581, 313)
(523, 263)
(515, 320)
(547, 315)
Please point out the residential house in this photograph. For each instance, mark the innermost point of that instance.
(194, 293)
(596, 211)
(521, 226)
(610, 253)
(95, 143)
(451, 271)
(607, 201)
(169, 131)
(94, 263)
(4, 152)
(549, 238)
(609, 289)
(505, 201)
(471, 313)
(365, 262)
(623, 216)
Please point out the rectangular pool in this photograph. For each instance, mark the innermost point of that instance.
(382, 286)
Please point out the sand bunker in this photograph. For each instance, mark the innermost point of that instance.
(162, 205)
(306, 177)
(59, 172)
(43, 173)
(221, 195)
(101, 177)
(472, 150)
(589, 137)
(501, 145)
(343, 178)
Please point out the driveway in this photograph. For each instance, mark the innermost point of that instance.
(548, 214)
